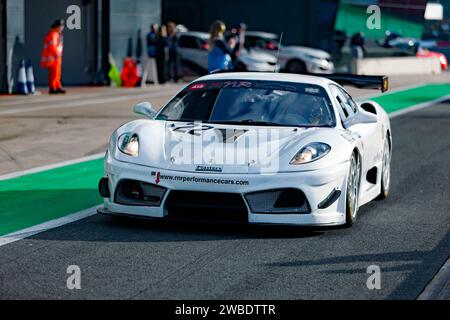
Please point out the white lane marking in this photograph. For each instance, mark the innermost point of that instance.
(389, 92)
(31, 231)
(418, 106)
(83, 103)
(10, 103)
(50, 166)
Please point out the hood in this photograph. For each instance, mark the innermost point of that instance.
(293, 50)
(215, 148)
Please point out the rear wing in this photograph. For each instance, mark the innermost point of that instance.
(362, 82)
(344, 79)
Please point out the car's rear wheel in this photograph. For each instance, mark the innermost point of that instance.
(352, 192)
(385, 170)
(296, 66)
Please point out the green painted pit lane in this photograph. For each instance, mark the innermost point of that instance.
(36, 198)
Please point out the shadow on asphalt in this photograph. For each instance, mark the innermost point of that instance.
(118, 229)
(421, 267)
(208, 228)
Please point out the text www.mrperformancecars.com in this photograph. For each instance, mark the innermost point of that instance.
(226, 309)
(200, 179)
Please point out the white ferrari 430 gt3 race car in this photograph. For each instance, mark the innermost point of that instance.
(253, 147)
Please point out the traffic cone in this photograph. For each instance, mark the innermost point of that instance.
(22, 79)
(30, 78)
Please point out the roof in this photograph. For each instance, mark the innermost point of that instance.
(198, 34)
(267, 35)
(268, 76)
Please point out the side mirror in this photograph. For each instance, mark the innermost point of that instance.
(360, 117)
(145, 109)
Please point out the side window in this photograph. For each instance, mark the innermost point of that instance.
(341, 100)
(346, 102)
(250, 41)
(188, 42)
(350, 101)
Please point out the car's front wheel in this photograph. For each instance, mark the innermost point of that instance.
(352, 192)
(296, 66)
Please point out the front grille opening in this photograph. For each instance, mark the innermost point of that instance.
(278, 201)
(138, 193)
(210, 206)
(290, 198)
(372, 175)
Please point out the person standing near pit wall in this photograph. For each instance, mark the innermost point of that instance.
(173, 43)
(357, 46)
(150, 67)
(52, 56)
(219, 56)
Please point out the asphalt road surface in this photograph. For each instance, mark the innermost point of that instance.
(406, 235)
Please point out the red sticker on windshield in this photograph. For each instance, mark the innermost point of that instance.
(197, 86)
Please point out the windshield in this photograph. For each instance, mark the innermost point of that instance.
(252, 103)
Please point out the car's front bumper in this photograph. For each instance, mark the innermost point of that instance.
(318, 67)
(315, 185)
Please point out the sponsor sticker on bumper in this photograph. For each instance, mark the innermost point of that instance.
(193, 179)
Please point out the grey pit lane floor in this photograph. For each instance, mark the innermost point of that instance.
(406, 235)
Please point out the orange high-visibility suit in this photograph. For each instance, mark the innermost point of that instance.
(52, 58)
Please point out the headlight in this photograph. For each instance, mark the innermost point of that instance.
(325, 63)
(128, 143)
(311, 152)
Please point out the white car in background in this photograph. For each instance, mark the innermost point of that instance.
(292, 59)
(252, 147)
(194, 55)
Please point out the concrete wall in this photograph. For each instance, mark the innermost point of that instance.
(15, 33)
(3, 80)
(126, 18)
(396, 66)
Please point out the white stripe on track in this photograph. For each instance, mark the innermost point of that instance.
(92, 95)
(50, 166)
(72, 104)
(31, 231)
(395, 90)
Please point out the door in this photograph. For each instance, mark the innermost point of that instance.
(370, 134)
(194, 51)
(79, 45)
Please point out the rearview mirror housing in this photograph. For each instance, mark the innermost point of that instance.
(145, 109)
(361, 116)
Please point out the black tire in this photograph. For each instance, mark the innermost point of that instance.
(296, 66)
(352, 191)
(240, 67)
(385, 170)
